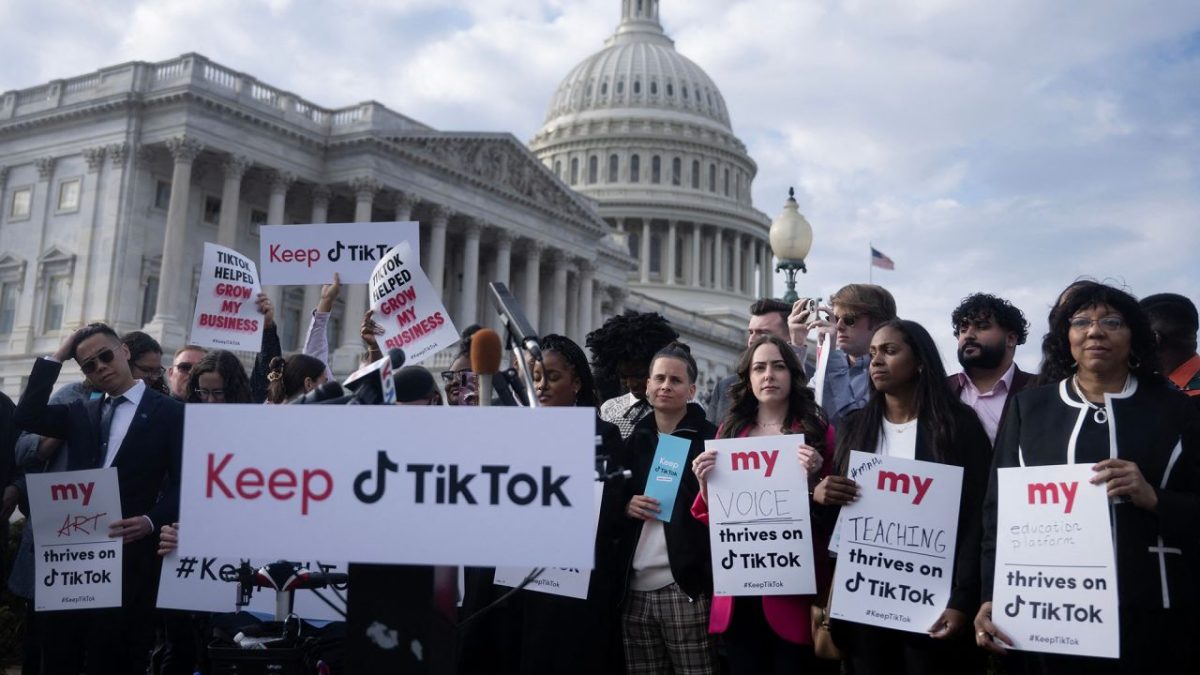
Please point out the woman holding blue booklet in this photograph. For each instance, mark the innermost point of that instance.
(912, 414)
(771, 634)
(664, 552)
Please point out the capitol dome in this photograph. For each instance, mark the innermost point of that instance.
(639, 68)
(644, 132)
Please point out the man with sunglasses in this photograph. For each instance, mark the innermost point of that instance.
(181, 369)
(853, 314)
(139, 432)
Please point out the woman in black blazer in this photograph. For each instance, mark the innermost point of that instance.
(912, 414)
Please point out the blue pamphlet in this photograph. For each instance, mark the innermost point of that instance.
(666, 471)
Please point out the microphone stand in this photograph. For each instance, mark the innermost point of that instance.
(522, 344)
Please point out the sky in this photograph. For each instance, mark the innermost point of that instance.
(1006, 147)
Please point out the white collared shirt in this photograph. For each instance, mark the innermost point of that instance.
(122, 418)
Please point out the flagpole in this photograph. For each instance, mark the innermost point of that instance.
(870, 263)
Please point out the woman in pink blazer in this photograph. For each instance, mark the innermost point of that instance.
(772, 634)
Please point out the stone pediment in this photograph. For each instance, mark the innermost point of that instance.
(504, 164)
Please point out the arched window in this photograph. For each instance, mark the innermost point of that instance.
(635, 169)
(676, 171)
(604, 88)
(726, 182)
(637, 86)
(574, 170)
(655, 253)
(612, 168)
(620, 86)
(635, 241)
(685, 92)
(654, 87)
(656, 170)
(712, 177)
(670, 90)
(558, 169)
(593, 169)
(695, 174)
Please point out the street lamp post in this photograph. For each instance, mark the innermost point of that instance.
(791, 240)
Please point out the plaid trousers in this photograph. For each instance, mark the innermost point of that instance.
(667, 632)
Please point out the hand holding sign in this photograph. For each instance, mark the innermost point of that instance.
(1124, 479)
(702, 466)
(836, 491)
(987, 634)
(643, 508)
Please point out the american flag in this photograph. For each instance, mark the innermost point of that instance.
(881, 261)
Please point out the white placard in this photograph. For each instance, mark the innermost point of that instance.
(226, 316)
(896, 556)
(759, 528)
(209, 584)
(411, 314)
(571, 582)
(310, 254)
(1055, 588)
(824, 350)
(77, 565)
(429, 485)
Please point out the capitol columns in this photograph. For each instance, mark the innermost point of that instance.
(468, 309)
(440, 218)
(668, 273)
(644, 252)
(346, 357)
(319, 215)
(403, 204)
(558, 307)
(235, 168)
(502, 267)
(584, 315)
(694, 280)
(280, 181)
(166, 326)
(531, 301)
(718, 259)
(735, 243)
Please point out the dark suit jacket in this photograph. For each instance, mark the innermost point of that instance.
(1021, 380)
(148, 460)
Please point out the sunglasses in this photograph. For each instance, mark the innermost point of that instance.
(88, 367)
(183, 367)
(847, 320)
(460, 376)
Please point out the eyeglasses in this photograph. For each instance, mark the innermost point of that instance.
(184, 367)
(213, 394)
(453, 375)
(1082, 323)
(150, 372)
(847, 320)
(88, 367)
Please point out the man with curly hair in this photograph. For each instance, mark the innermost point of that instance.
(621, 352)
(988, 329)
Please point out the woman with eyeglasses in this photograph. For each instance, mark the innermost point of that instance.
(219, 378)
(769, 634)
(912, 414)
(1116, 413)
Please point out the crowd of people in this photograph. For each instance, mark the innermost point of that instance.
(1118, 388)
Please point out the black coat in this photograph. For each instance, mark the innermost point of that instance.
(687, 538)
(1156, 428)
(148, 460)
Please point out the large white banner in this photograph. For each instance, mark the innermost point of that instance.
(77, 565)
(759, 528)
(209, 584)
(1055, 588)
(310, 254)
(896, 555)
(412, 316)
(226, 316)
(430, 485)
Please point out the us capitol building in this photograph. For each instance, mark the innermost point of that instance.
(634, 194)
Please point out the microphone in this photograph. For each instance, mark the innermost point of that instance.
(514, 320)
(485, 361)
(328, 391)
(372, 384)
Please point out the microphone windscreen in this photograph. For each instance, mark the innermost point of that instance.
(397, 357)
(413, 383)
(485, 352)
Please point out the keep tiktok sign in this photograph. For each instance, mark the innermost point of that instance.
(758, 519)
(896, 555)
(1055, 587)
(389, 484)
